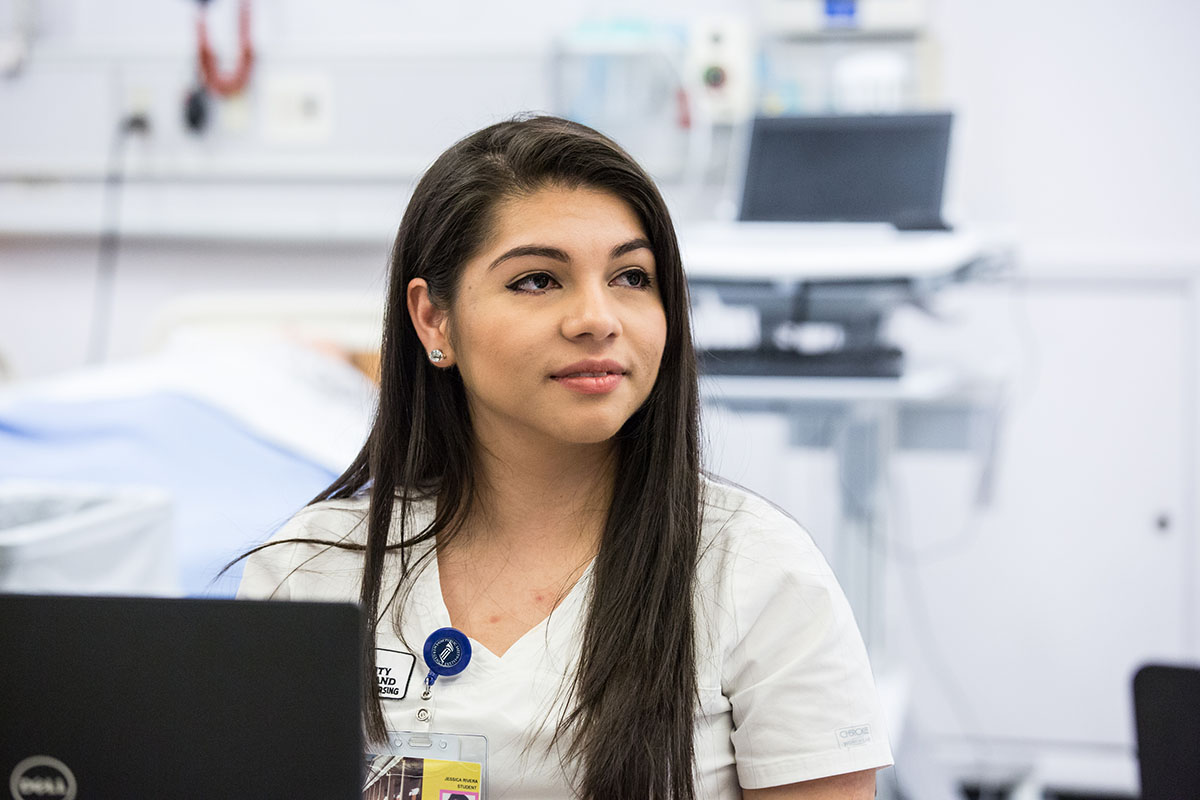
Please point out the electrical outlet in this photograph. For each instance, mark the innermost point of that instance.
(297, 108)
(235, 113)
(138, 101)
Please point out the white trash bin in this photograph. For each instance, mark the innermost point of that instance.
(65, 538)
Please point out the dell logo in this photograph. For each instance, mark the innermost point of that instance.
(42, 778)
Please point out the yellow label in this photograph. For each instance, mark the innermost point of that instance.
(425, 779)
(446, 780)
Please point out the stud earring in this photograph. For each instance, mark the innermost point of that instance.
(437, 356)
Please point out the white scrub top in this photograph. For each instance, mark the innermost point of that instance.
(786, 692)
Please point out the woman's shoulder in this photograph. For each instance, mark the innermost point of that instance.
(321, 540)
(735, 517)
(747, 540)
(316, 554)
(344, 520)
(340, 520)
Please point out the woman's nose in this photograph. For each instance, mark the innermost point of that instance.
(591, 312)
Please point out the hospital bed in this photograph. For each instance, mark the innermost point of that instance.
(147, 476)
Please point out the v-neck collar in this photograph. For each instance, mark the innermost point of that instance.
(553, 629)
(537, 646)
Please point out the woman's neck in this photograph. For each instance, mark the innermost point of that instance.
(533, 527)
(542, 497)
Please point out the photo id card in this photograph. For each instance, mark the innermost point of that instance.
(427, 766)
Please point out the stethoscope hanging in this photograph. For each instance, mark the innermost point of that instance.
(209, 78)
(220, 84)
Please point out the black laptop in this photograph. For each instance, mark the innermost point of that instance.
(848, 168)
(104, 697)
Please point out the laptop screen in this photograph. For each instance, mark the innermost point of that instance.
(876, 168)
(145, 697)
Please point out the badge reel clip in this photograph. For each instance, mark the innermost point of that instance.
(447, 653)
(438, 764)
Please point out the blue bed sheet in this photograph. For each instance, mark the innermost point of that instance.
(231, 488)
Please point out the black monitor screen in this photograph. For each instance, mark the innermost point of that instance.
(878, 168)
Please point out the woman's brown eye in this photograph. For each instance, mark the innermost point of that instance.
(636, 278)
(537, 282)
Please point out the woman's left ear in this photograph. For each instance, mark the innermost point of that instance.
(430, 322)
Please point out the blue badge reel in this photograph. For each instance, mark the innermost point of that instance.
(447, 653)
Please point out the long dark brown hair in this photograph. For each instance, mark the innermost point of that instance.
(629, 721)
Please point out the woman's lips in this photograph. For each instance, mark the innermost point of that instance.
(590, 382)
(591, 376)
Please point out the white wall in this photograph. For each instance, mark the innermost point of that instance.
(1077, 127)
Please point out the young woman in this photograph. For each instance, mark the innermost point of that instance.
(533, 479)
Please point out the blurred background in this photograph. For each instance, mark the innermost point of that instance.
(943, 258)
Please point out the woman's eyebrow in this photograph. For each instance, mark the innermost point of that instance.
(630, 246)
(530, 250)
(556, 254)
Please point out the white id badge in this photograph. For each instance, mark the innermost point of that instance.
(427, 766)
